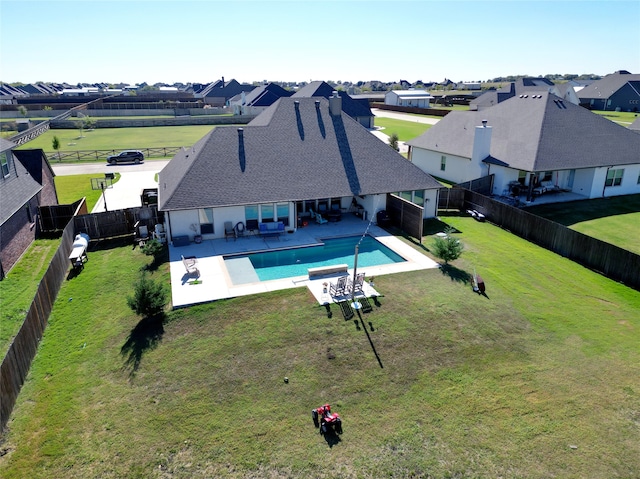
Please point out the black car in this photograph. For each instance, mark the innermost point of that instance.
(127, 156)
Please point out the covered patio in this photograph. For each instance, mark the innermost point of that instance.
(214, 281)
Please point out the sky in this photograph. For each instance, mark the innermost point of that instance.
(167, 41)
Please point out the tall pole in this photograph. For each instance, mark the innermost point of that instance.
(353, 284)
(104, 197)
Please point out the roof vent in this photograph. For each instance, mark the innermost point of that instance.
(484, 123)
(296, 103)
(526, 96)
(521, 96)
(240, 131)
(317, 104)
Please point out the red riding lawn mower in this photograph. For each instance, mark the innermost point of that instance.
(326, 420)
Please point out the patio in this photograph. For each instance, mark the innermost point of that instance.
(215, 282)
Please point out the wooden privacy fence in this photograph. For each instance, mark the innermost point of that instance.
(406, 215)
(613, 262)
(56, 217)
(110, 224)
(23, 348)
(92, 155)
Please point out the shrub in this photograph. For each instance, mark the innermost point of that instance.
(153, 248)
(447, 248)
(149, 298)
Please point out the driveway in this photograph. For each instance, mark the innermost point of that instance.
(126, 192)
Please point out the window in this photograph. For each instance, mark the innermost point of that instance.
(522, 177)
(443, 162)
(405, 195)
(4, 164)
(205, 216)
(282, 209)
(251, 212)
(548, 176)
(266, 213)
(614, 178)
(418, 197)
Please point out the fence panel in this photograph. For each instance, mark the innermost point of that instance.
(23, 348)
(612, 261)
(406, 215)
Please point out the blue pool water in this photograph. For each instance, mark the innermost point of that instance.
(295, 262)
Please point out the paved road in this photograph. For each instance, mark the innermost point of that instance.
(87, 168)
(404, 116)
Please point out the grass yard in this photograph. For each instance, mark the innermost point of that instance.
(19, 287)
(73, 187)
(539, 379)
(615, 220)
(119, 138)
(625, 118)
(406, 130)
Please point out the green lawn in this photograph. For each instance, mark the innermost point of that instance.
(73, 187)
(615, 220)
(19, 287)
(623, 117)
(120, 138)
(538, 379)
(406, 130)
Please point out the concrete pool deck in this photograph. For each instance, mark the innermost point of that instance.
(215, 282)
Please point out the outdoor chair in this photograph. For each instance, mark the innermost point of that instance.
(239, 228)
(338, 288)
(320, 220)
(143, 234)
(229, 232)
(355, 287)
(191, 265)
(252, 225)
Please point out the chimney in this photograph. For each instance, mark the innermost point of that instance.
(335, 104)
(222, 82)
(481, 144)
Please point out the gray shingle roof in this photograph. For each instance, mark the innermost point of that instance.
(17, 188)
(286, 154)
(537, 133)
(353, 108)
(607, 86)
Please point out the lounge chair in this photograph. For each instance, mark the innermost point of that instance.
(320, 220)
(191, 265)
(355, 287)
(229, 232)
(338, 288)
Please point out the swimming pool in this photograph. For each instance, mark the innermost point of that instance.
(292, 262)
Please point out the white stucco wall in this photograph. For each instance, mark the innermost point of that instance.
(457, 169)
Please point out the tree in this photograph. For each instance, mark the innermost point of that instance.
(447, 248)
(149, 298)
(393, 141)
(22, 110)
(55, 143)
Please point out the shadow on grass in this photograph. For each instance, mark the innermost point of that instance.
(143, 337)
(456, 274)
(331, 437)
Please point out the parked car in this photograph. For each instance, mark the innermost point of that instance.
(127, 156)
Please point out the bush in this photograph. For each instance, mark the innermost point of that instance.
(149, 298)
(447, 248)
(153, 248)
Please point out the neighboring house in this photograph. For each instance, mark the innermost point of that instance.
(298, 155)
(220, 92)
(524, 86)
(359, 110)
(258, 99)
(414, 98)
(616, 90)
(532, 139)
(26, 182)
